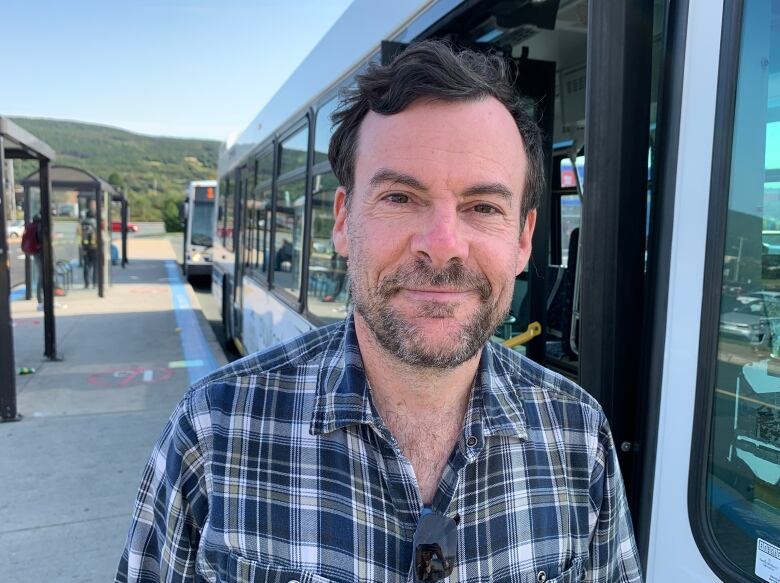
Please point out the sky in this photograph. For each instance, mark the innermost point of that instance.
(183, 68)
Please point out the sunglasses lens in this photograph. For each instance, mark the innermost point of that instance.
(435, 541)
(430, 563)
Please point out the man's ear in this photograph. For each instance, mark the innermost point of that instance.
(340, 226)
(524, 243)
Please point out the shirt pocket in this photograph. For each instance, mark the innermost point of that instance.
(244, 570)
(555, 574)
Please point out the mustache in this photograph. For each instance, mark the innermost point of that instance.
(419, 274)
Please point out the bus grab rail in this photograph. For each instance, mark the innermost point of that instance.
(533, 330)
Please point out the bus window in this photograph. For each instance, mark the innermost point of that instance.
(227, 231)
(201, 213)
(247, 222)
(260, 225)
(571, 213)
(742, 488)
(294, 150)
(224, 196)
(265, 167)
(323, 131)
(328, 283)
(288, 240)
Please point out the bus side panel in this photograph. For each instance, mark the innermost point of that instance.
(267, 320)
(217, 277)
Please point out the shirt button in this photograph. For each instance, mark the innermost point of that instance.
(541, 576)
(471, 441)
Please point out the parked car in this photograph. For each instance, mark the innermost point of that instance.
(116, 227)
(754, 318)
(14, 229)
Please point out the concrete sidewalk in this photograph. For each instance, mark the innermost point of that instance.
(70, 470)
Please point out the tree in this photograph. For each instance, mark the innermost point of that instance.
(116, 180)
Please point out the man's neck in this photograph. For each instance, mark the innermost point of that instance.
(409, 388)
(423, 408)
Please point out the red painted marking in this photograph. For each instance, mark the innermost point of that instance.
(25, 322)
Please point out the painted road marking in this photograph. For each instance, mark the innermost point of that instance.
(140, 375)
(193, 343)
(185, 363)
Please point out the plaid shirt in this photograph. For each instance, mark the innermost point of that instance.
(278, 468)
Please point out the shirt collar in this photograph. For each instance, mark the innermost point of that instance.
(343, 397)
(342, 389)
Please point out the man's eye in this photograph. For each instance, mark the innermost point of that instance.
(397, 197)
(486, 209)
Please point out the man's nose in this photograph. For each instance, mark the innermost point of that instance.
(440, 237)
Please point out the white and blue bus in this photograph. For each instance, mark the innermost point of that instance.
(655, 291)
(200, 221)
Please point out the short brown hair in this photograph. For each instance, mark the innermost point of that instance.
(433, 69)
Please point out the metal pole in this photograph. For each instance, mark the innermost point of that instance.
(124, 232)
(100, 258)
(27, 259)
(8, 184)
(7, 365)
(50, 336)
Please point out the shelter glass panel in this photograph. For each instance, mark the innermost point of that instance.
(743, 468)
(328, 280)
(294, 151)
(288, 240)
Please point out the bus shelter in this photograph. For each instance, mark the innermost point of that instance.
(18, 144)
(77, 194)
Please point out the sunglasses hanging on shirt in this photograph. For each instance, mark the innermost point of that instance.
(435, 542)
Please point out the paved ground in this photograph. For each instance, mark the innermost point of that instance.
(69, 471)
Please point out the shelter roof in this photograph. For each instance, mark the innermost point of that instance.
(70, 176)
(28, 146)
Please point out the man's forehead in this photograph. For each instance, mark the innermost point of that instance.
(480, 134)
(482, 116)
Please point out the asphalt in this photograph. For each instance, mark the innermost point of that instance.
(70, 469)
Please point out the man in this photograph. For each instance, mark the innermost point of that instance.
(87, 233)
(400, 445)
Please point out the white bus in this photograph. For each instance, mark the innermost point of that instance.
(200, 220)
(653, 290)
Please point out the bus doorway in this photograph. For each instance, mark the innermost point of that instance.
(586, 71)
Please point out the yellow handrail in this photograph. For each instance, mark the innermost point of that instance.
(533, 330)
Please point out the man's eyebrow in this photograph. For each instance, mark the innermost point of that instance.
(384, 175)
(489, 188)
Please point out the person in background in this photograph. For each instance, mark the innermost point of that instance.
(87, 233)
(32, 245)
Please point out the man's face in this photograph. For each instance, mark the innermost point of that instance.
(433, 233)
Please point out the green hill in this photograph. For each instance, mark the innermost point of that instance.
(153, 171)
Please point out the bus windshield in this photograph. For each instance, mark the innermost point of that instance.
(202, 224)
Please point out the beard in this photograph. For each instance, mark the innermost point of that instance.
(397, 333)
